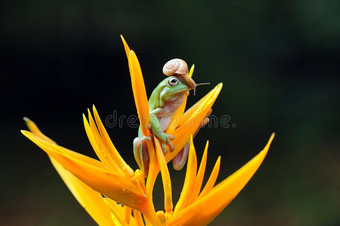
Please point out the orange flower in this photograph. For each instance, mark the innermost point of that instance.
(114, 194)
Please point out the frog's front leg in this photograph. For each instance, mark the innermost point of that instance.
(141, 153)
(157, 131)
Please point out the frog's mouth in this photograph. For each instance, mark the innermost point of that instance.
(178, 92)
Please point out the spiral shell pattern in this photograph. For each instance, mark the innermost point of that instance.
(175, 67)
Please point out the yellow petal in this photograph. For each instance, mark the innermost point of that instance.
(200, 175)
(165, 177)
(220, 196)
(98, 146)
(161, 216)
(111, 148)
(138, 88)
(192, 121)
(138, 216)
(116, 221)
(139, 93)
(191, 70)
(127, 214)
(33, 127)
(117, 211)
(212, 179)
(149, 213)
(190, 177)
(202, 103)
(91, 200)
(116, 187)
(126, 47)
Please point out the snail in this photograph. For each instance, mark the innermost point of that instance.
(175, 67)
(178, 67)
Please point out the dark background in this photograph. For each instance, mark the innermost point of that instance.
(279, 62)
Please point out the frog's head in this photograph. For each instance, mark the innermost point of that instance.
(173, 88)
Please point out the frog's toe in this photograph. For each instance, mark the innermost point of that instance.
(205, 121)
(168, 140)
(165, 150)
(146, 138)
(170, 144)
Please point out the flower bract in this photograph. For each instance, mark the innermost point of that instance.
(115, 194)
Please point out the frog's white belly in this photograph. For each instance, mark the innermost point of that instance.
(168, 110)
(164, 122)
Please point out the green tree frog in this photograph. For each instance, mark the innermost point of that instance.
(163, 103)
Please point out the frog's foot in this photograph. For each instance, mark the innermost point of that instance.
(206, 119)
(141, 153)
(144, 138)
(166, 138)
(180, 159)
(170, 138)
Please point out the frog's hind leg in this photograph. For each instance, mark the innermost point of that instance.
(180, 159)
(141, 154)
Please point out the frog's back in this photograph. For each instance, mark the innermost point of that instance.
(154, 100)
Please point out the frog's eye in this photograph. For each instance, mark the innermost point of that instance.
(173, 81)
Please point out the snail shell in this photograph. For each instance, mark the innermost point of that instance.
(175, 67)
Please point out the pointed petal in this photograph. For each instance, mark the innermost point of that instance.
(139, 93)
(189, 180)
(161, 216)
(153, 168)
(116, 221)
(165, 177)
(138, 216)
(149, 213)
(192, 120)
(202, 103)
(212, 179)
(114, 186)
(200, 175)
(191, 70)
(116, 210)
(127, 214)
(111, 148)
(126, 47)
(213, 203)
(88, 198)
(34, 129)
(98, 146)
